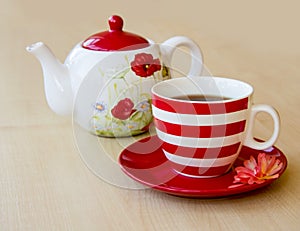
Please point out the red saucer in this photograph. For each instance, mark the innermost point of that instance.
(145, 162)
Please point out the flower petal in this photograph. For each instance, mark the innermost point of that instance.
(251, 163)
(275, 168)
(262, 164)
(242, 169)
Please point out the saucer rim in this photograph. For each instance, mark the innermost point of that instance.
(203, 193)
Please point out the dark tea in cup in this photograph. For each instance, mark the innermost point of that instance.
(198, 97)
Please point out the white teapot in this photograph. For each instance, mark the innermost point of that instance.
(106, 79)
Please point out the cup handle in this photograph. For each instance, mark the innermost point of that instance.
(249, 140)
(168, 47)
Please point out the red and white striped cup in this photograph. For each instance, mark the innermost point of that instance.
(203, 138)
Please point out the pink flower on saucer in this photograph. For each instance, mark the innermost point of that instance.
(265, 168)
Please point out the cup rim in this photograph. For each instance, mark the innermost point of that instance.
(251, 89)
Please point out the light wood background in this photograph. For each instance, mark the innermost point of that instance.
(45, 185)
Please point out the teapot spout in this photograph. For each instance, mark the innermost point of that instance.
(57, 83)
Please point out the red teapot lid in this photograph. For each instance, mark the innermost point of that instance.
(115, 38)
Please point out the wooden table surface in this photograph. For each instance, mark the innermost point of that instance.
(45, 184)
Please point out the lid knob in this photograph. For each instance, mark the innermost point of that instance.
(115, 23)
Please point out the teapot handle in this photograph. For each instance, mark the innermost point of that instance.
(168, 47)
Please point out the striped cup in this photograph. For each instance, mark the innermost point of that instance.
(203, 138)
